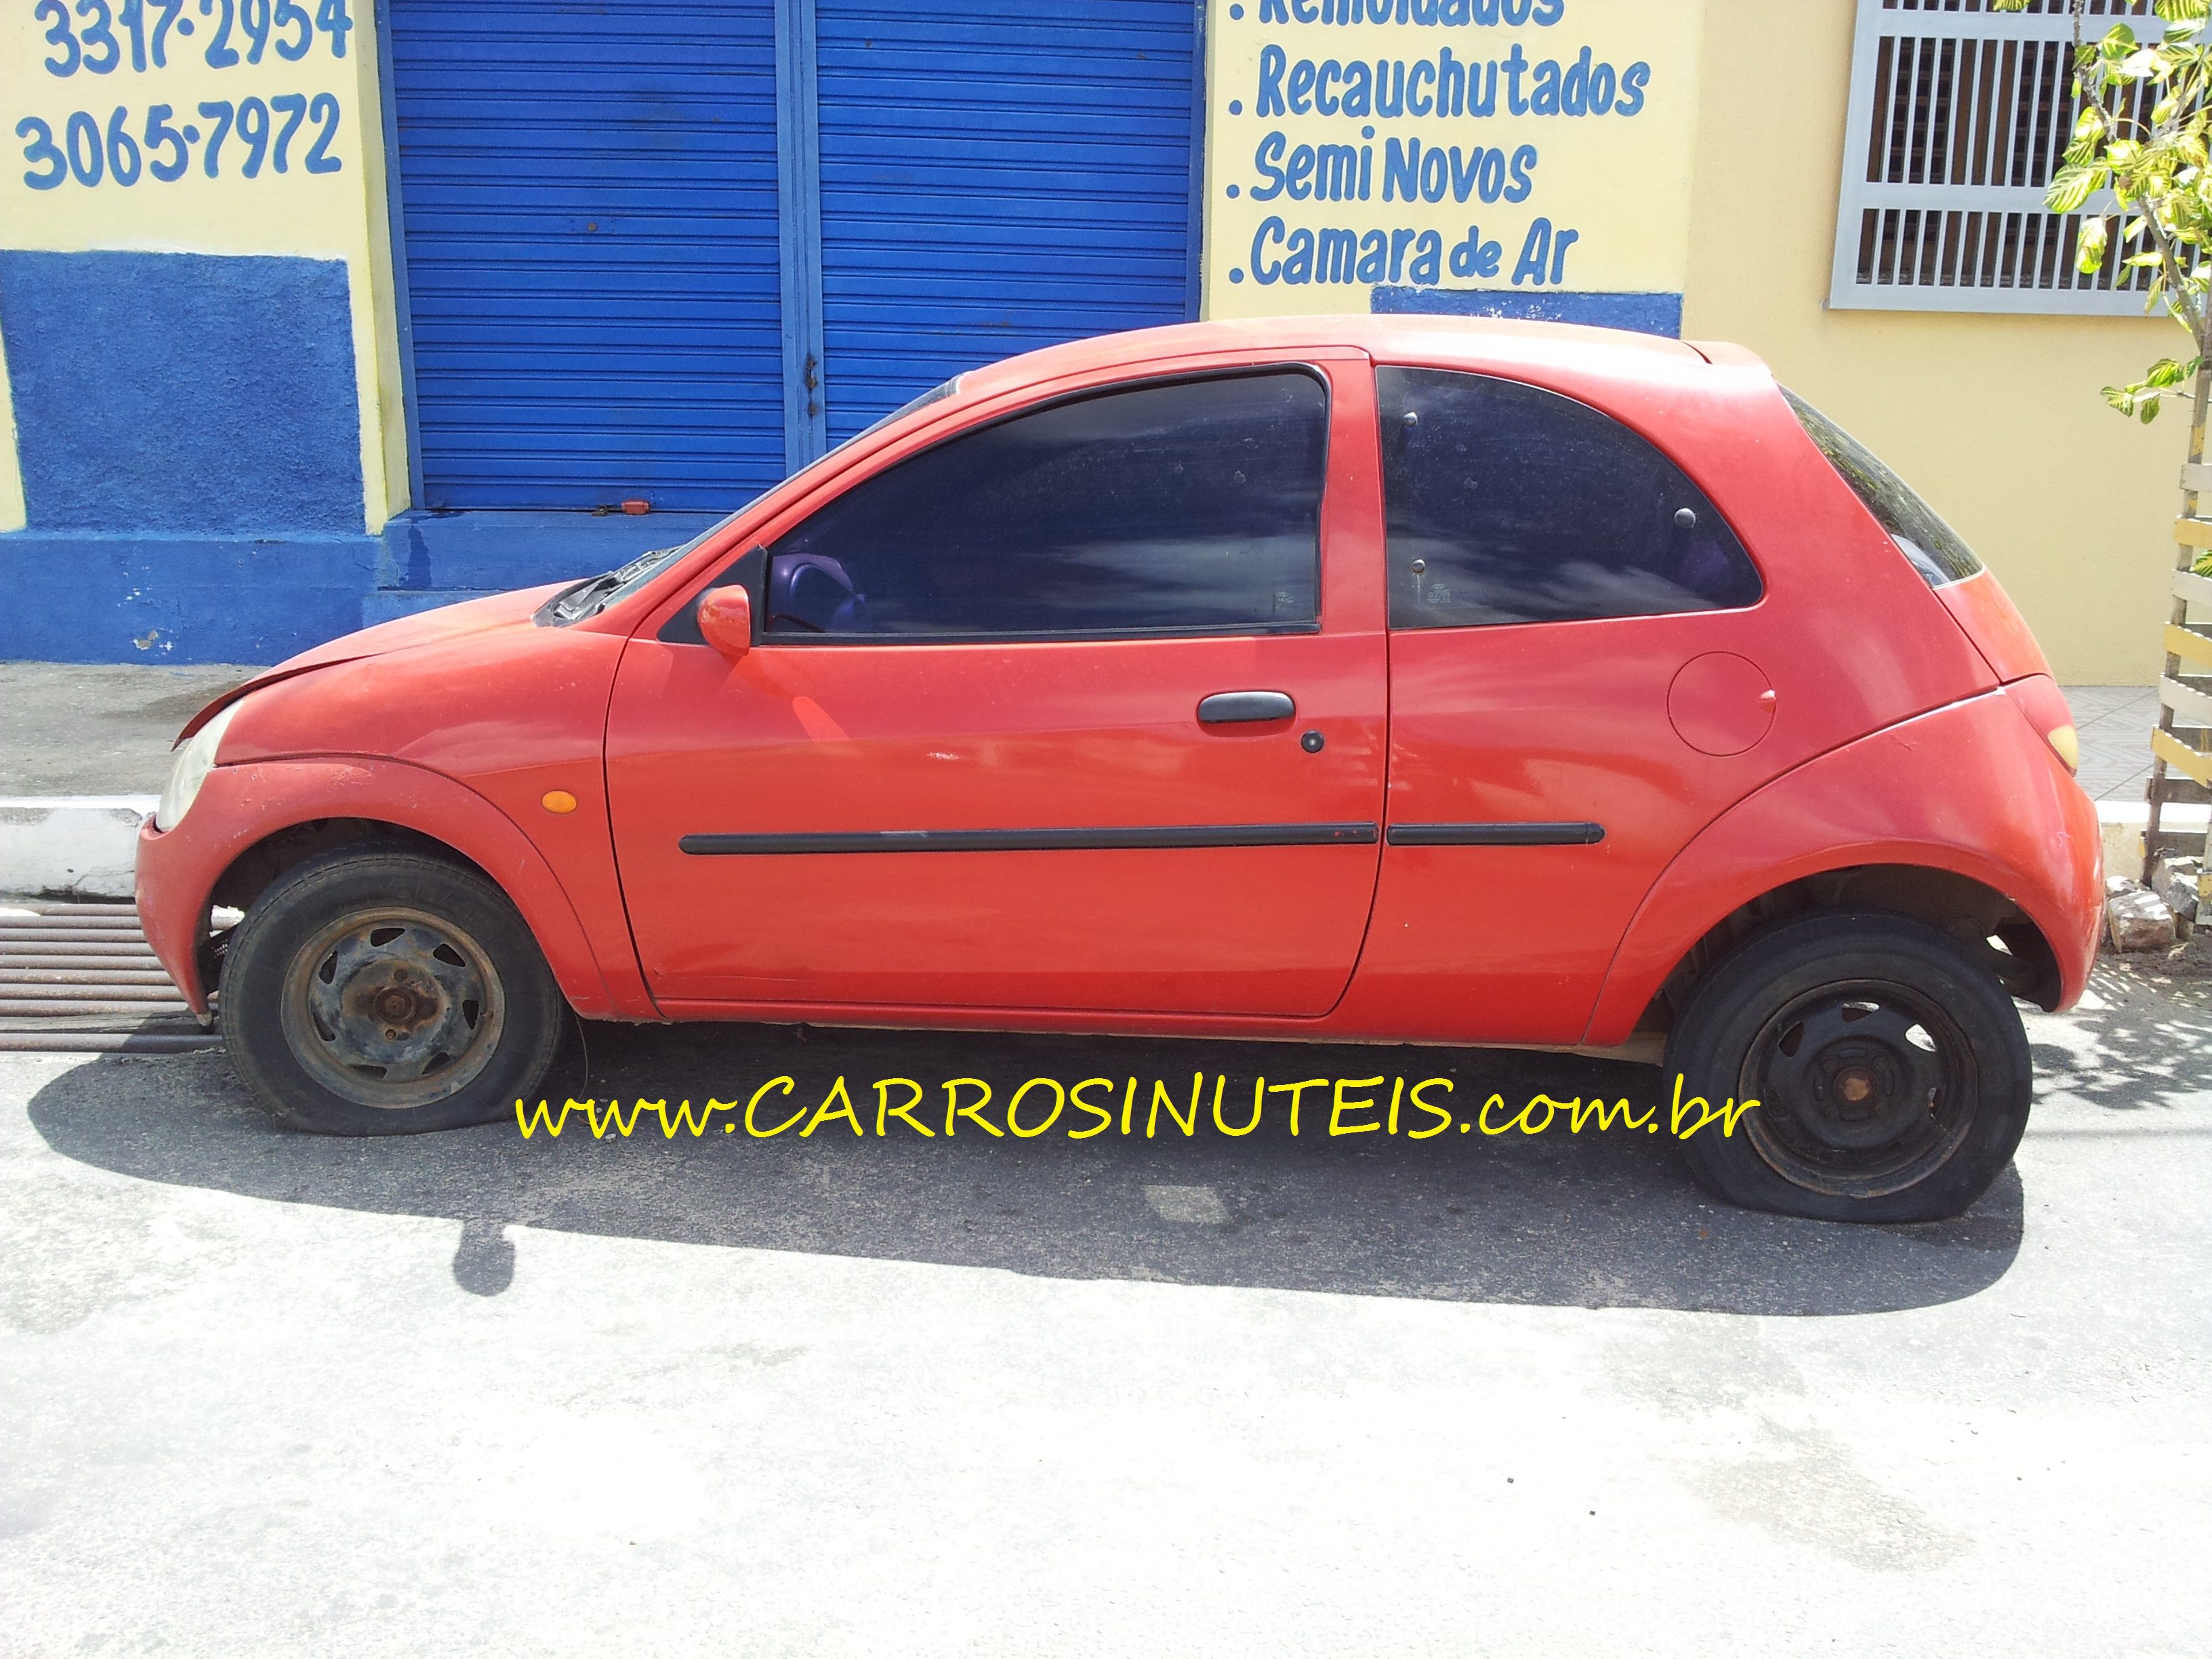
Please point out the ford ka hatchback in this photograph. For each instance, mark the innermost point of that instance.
(1365, 678)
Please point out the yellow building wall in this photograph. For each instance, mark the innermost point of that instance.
(1996, 419)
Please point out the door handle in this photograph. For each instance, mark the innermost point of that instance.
(1235, 708)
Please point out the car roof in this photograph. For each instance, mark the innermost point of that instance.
(1506, 344)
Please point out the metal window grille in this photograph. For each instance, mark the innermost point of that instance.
(1959, 116)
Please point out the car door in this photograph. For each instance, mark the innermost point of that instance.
(1080, 708)
(1580, 681)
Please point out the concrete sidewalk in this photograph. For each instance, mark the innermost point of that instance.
(84, 751)
(99, 729)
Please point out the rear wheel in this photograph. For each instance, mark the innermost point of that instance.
(382, 993)
(1891, 1069)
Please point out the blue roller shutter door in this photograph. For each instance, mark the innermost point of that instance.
(589, 203)
(995, 178)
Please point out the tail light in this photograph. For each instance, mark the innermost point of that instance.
(2038, 698)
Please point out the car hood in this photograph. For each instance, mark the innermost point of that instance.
(447, 621)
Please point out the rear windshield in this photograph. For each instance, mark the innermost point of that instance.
(1936, 550)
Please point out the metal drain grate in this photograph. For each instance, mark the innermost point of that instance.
(80, 978)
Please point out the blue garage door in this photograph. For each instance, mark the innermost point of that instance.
(995, 177)
(589, 203)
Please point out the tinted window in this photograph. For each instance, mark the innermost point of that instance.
(1511, 504)
(1935, 550)
(1194, 506)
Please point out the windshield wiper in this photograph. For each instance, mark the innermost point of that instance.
(588, 598)
(579, 601)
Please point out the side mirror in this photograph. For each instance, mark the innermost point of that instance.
(726, 620)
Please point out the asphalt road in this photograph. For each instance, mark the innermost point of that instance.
(267, 1394)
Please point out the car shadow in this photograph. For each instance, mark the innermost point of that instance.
(1590, 1220)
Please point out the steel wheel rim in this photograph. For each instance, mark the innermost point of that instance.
(392, 1008)
(1864, 1088)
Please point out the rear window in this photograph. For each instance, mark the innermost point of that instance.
(1938, 551)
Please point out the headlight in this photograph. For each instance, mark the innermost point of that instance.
(193, 763)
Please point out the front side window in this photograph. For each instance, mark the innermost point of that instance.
(1183, 506)
(1508, 503)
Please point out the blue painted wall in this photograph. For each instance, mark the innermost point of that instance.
(190, 438)
(87, 595)
(1645, 313)
(187, 393)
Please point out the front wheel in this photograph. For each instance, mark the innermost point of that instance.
(372, 993)
(1890, 1070)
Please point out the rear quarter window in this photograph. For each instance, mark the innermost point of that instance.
(1938, 552)
(1508, 503)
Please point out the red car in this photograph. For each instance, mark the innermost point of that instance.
(1343, 677)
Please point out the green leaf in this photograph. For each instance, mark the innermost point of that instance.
(2071, 186)
(2090, 248)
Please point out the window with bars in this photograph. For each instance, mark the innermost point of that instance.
(1959, 116)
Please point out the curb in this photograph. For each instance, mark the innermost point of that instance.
(2124, 823)
(71, 846)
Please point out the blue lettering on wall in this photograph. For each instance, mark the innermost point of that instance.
(261, 135)
(1427, 89)
(1412, 172)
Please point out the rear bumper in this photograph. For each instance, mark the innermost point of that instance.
(2077, 925)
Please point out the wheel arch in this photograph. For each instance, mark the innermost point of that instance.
(1961, 817)
(2002, 935)
(273, 814)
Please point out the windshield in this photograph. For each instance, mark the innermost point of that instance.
(594, 594)
(1938, 552)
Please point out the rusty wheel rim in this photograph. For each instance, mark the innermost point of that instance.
(1865, 1089)
(392, 1008)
